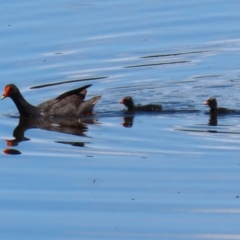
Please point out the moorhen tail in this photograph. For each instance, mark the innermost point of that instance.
(128, 102)
(212, 103)
(70, 103)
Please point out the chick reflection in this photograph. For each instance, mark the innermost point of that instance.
(72, 126)
(213, 119)
(127, 122)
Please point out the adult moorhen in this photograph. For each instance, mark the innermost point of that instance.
(70, 103)
(128, 102)
(212, 103)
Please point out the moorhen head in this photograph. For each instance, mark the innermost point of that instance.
(212, 103)
(24, 108)
(10, 90)
(128, 102)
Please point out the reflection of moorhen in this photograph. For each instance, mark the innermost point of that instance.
(128, 122)
(212, 119)
(128, 102)
(72, 126)
(11, 151)
(212, 103)
(70, 103)
(75, 144)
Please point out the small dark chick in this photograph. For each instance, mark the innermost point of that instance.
(131, 107)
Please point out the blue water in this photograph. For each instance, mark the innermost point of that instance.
(164, 176)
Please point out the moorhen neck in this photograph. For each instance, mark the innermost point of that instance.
(70, 103)
(128, 102)
(212, 103)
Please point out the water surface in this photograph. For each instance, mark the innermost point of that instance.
(112, 175)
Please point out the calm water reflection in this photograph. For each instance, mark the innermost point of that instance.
(74, 126)
(128, 121)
